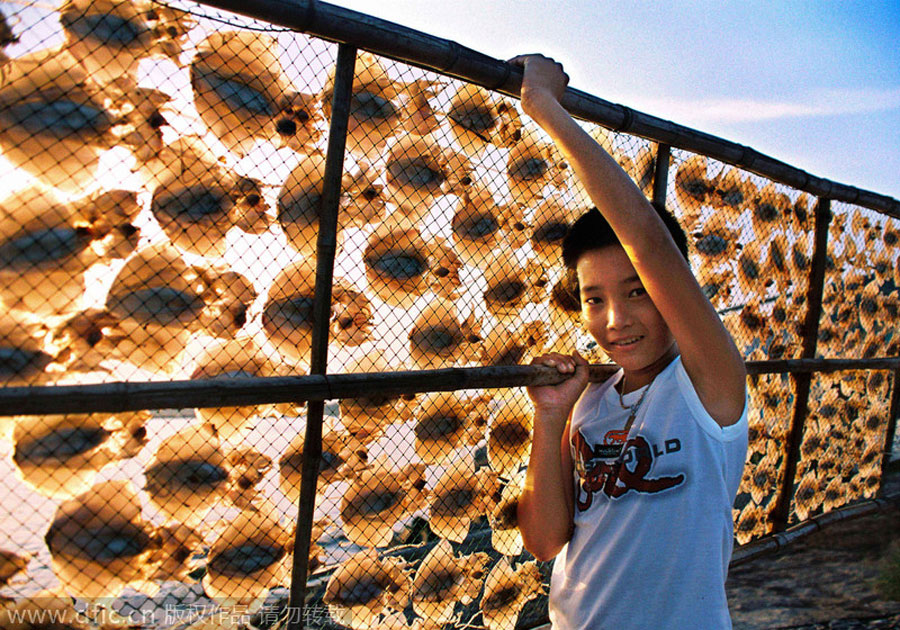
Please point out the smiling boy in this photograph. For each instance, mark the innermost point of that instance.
(630, 482)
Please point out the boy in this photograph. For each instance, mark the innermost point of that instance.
(655, 454)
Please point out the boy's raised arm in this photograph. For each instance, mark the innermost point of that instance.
(708, 352)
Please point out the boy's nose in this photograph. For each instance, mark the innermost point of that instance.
(617, 316)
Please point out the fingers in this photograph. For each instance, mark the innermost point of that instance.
(541, 73)
(579, 360)
(522, 61)
(564, 363)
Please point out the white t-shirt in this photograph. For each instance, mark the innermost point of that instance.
(651, 546)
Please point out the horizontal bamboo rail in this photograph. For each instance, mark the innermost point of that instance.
(778, 541)
(386, 38)
(132, 396)
(227, 392)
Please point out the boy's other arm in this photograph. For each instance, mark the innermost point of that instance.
(546, 511)
(708, 352)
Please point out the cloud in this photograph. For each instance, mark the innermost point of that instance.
(833, 102)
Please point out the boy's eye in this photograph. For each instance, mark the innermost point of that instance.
(637, 292)
(592, 300)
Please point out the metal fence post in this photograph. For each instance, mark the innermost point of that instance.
(326, 246)
(782, 510)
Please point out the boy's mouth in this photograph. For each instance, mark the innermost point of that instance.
(626, 342)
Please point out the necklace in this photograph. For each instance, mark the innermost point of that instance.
(632, 413)
(633, 409)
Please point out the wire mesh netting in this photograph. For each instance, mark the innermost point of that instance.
(859, 301)
(843, 441)
(751, 251)
(771, 404)
(163, 171)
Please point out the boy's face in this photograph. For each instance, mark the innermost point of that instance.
(617, 311)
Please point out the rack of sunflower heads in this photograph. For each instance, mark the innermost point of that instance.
(162, 171)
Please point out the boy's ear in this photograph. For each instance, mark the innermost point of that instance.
(571, 285)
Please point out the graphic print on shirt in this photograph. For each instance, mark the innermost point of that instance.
(600, 470)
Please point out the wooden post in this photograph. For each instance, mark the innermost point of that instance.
(891, 427)
(661, 173)
(782, 511)
(326, 245)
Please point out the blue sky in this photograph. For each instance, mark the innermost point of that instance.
(815, 84)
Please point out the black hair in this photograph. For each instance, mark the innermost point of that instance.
(591, 231)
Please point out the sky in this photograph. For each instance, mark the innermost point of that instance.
(815, 84)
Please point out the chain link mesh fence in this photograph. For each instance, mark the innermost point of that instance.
(162, 174)
(843, 441)
(751, 250)
(860, 293)
(771, 402)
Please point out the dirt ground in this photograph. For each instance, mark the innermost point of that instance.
(823, 581)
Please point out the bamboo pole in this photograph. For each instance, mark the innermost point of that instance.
(338, 24)
(776, 542)
(807, 366)
(782, 510)
(326, 246)
(891, 427)
(661, 174)
(233, 392)
(131, 396)
(817, 278)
